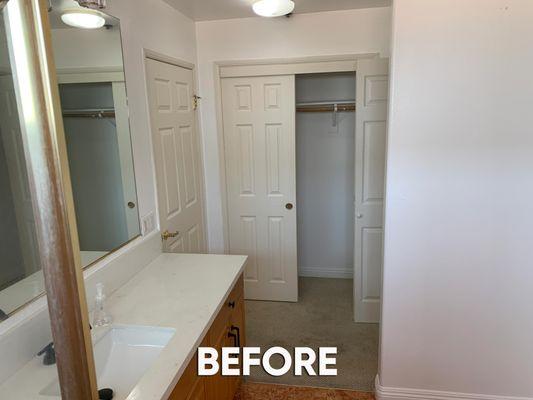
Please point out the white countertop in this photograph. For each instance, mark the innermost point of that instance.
(180, 291)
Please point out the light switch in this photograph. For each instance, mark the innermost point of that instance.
(147, 223)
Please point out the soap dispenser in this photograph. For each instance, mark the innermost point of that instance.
(101, 318)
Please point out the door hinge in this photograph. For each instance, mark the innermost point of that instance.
(195, 101)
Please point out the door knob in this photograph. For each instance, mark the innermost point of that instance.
(131, 204)
(289, 206)
(359, 216)
(166, 235)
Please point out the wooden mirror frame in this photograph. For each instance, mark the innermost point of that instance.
(47, 164)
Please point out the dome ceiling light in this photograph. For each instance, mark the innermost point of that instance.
(85, 19)
(273, 8)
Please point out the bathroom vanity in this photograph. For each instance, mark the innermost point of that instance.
(177, 303)
(227, 330)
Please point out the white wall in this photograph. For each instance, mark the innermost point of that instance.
(325, 178)
(327, 33)
(458, 277)
(87, 48)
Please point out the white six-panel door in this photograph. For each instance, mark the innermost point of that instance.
(177, 157)
(370, 156)
(259, 142)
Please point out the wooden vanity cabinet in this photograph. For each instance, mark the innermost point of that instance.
(227, 330)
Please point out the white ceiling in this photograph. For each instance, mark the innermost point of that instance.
(204, 10)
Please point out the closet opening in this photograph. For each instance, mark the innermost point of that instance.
(304, 149)
(325, 178)
(325, 139)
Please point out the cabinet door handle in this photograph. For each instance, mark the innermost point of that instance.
(236, 328)
(231, 304)
(235, 339)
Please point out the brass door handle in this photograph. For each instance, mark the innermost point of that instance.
(166, 235)
(289, 206)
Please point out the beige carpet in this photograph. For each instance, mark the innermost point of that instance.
(322, 317)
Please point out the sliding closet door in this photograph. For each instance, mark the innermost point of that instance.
(259, 140)
(370, 152)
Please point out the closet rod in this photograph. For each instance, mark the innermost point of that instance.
(89, 114)
(339, 106)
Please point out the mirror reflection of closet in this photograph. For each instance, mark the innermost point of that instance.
(92, 89)
(92, 86)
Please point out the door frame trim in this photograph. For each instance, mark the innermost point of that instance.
(272, 67)
(149, 54)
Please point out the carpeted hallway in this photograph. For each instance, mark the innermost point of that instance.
(322, 317)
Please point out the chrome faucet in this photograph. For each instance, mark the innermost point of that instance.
(49, 354)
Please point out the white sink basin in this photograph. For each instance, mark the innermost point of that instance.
(122, 354)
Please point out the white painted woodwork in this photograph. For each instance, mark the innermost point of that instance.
(370, 156)
(177, 156)
(259, 140)
(14, 152)
(304, 65)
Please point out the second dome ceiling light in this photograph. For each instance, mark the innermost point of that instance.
(273, 8)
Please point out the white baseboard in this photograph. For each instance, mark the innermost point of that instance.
(396, 393)
(326, 272)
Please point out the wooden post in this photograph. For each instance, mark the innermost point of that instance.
(34, 74)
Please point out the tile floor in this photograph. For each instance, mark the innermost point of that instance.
(267, 391)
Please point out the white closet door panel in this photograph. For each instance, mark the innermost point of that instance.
(259, 142)
(177, 156)
(126, 157)
(370, 156)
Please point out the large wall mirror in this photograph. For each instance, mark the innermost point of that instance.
(88, 56)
